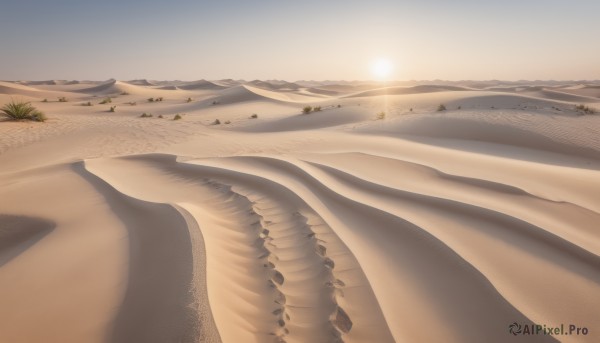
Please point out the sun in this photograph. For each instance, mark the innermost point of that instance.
(381, 68)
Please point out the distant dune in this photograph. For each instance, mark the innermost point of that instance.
(201, 84)
(274, 85)
(142, 82)
(408, 90)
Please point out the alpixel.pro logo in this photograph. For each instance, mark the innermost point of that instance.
(537, 329)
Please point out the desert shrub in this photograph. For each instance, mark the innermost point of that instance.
(45, 100)
(317, 109)
(62, 99)
(585, 109)
(146, 115)
(216, 122)
(338, 106)
(215, 102)
(160, 116)
(132, 103)
(150, 99)
(177, 117)
(411, 109)
(441, 108)
(254, 116)
(86, 104)
(307, 109)
(22, 111)
(459, 108)
(228, 122)
(112, 108)
(124, 93)
(107, 100)
(189, 100)
(381, 115)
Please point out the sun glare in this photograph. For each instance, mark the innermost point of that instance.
(381, 68)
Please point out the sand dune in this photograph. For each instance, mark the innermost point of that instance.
(562, 96)
(15, 91)
(227, 82)
(471, 130)
(168, 88)
(245, 93)
(336, 226)
(111, 87)
(328, 117)
(322, 91)
(237, 94)
(14, 88)
(407, 90)
(141, 82)
(160, 294)
(201, 84)
(273, 85)
(292, 237)
(589, 91)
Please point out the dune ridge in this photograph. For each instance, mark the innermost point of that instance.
(285, 239)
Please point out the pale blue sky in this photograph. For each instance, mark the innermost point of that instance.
(187, 40)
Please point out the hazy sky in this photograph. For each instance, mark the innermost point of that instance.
(292, 40)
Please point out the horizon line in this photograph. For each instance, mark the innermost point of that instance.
(305, 80)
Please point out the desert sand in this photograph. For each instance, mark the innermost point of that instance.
(341, 225)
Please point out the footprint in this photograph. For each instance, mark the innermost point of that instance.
(321, 250)
(342, 321)
(278, 277)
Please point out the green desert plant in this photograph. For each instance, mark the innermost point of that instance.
(124, 93)
(317, 109)
(307, 109)
(189, 100)
(112, 108)
(147, 115)
(62, 99)
(159, 99)
(441, 108)
(381, 115)
(107, 100)
(254, 116)
(22, 111)
(216, 122)
(86, 104)
(150, 99)
(45, 100)
(177, 117)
